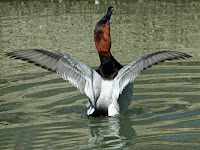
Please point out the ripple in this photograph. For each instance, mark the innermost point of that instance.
(39, 110)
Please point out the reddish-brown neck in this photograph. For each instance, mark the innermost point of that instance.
(103, 41)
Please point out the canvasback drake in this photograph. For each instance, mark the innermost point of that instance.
(110, 87)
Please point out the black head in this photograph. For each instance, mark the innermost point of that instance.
(104, 20)
(109, 13)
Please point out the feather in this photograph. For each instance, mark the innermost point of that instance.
(129, 72)
(79, 74)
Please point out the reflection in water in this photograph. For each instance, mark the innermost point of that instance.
(112, 132)
(40, 111)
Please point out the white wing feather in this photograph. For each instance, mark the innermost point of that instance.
(129, 72)
(79, 74)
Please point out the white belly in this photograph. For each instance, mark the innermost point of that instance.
(105, 101)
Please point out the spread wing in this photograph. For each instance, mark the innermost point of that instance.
(79, 74)
(128, 73)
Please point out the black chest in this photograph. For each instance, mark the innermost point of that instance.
(109, 67)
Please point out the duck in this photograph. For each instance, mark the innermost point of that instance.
(110, 87)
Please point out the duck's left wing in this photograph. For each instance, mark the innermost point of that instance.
(130, 71)
(69, 68)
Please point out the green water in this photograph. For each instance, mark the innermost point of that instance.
(38, 110)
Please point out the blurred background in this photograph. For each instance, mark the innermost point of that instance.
(38, 110)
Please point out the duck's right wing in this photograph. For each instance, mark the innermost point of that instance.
(79, 74)
(128, 73)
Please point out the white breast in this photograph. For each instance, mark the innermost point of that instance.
(104, 99)
(114, 107)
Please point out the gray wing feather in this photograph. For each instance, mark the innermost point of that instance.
(130, 71)
(69, 68)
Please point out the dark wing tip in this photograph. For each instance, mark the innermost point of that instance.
(16, 56)
(9, 54)
(188, 56)
(162, 56)
(41, 58)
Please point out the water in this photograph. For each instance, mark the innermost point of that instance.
(38, 110)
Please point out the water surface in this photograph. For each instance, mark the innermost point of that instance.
(38, 110)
